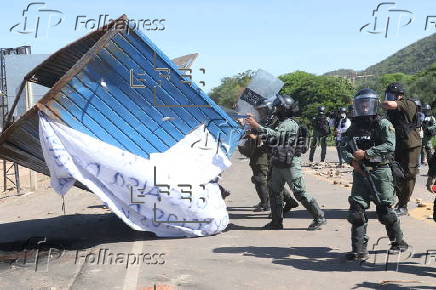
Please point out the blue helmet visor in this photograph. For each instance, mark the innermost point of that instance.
(365, 106)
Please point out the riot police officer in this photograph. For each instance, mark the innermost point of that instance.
(375, 141)
(260, 163)
(272, 122)
(321, 129)
(431, 180)
(419, 120)
(403, 114)
(341, 126)
(286, 163)
(429, 128)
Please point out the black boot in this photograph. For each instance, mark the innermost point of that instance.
(276, 225)
(400, 211)
(396, 237)
(316, 212)
(359, 244)
(311, 153)
(353, 256)
(397, 247)
(290, 202)
(316, 224)
(262, 191)
(276, 211)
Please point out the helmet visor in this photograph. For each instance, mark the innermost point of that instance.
(365, 107)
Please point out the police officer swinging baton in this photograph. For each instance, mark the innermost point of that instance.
(366, 172)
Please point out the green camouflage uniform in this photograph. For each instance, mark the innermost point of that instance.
(427, 146)
(262, 171)
(318, 138)
(292, 176)
(287, 197)
(377, 159)
(259, 166)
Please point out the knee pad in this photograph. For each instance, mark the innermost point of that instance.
(357, 215)
(260, 180)
(386, 215)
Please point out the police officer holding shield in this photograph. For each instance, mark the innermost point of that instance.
(286, 163)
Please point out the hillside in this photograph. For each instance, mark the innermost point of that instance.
(341, 73)
(409, 60)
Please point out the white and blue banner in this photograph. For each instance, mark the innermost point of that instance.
(171, 194)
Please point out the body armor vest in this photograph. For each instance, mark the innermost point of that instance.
(366, 137)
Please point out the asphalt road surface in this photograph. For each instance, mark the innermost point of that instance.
(90, 248)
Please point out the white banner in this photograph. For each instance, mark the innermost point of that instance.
(170, 194)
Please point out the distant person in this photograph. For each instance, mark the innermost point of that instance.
(431, 180)
(341, 127)
(321, 130)
(420, 119)
(403, 113)
(429, 128)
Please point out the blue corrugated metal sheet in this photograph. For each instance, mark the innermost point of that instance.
(139, 120)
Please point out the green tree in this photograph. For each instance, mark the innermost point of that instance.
(379, 83)
(312, 91)
(228, 92)
(423, 86)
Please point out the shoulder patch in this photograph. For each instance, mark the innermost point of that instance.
(385, 123)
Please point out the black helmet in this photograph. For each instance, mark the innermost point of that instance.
(264, 108)
(393, 91)
(426, 107)
(365, 103)
(263, 104)
(350, 108)
(285, 106)
(321, 110)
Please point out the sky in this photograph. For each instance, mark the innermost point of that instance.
(316, 36)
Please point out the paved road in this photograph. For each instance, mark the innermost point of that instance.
(89, 237)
